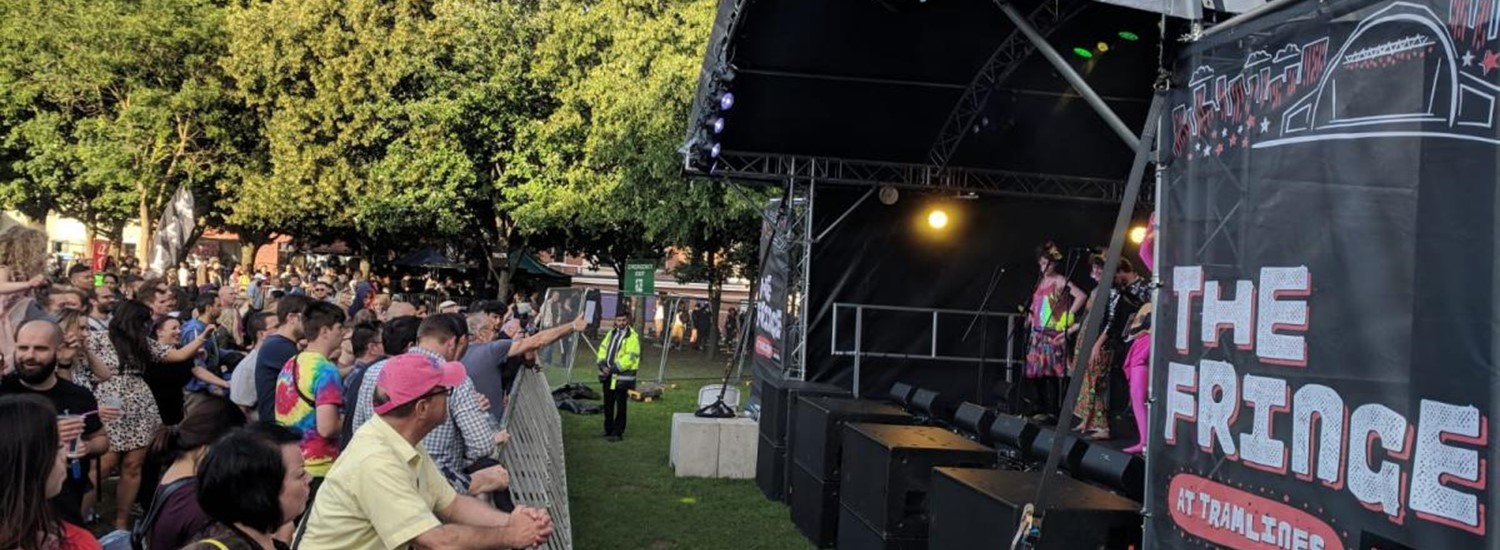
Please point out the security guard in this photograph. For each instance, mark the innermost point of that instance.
(619, 359)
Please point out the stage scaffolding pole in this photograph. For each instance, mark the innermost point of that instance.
(1062, 66)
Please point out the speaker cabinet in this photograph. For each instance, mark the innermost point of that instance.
(778, 395)
(976, 420)
(1117, 470)
(856, 534)
(901, 393)
(816, 442)
(980, 510)
(933, 404)
(1073, 450)
(815, 507)
(1013, 432)
(770, 469)
(886, 471)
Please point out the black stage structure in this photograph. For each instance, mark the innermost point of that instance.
(1289, 134)
(960, 105)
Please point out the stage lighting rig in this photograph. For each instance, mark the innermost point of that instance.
(705, 147)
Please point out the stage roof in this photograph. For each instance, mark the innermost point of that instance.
(876, 81)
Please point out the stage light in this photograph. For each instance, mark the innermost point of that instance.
(937, 219)
(1102, 47)
(1137, 234)
(726, 101)
(718, 125)
(1129, 36)
(1083, 52)
(713, 152)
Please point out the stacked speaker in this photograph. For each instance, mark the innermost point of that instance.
(863, 474)
(777, 396)
(817, 458)
(885, 475)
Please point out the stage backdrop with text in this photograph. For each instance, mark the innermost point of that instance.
(771, 297)
(1324, 368)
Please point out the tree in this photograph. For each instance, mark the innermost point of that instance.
(385, 120)
(602, 166)
(108, 105)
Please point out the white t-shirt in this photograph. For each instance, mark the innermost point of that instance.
(242, 381)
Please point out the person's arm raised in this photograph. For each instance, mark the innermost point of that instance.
(544, 338)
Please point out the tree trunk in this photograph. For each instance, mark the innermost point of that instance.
(248, 248)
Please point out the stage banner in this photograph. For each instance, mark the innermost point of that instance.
(1324, 364)
(770, 294)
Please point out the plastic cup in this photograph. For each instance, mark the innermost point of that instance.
(76, 448)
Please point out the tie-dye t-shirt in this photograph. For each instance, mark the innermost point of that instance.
(309, 377)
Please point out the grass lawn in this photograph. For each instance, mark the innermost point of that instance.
(624, 495)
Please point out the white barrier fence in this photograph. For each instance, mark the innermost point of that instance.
(534, 455)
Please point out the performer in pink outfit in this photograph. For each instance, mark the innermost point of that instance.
(1138, 359)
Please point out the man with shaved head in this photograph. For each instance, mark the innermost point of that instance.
(36, 373)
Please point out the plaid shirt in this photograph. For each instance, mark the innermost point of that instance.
(466, 437)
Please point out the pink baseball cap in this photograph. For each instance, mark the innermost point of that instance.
(410, 376)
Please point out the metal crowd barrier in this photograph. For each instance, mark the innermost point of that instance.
(534, 455)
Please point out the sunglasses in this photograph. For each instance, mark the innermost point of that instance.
(436, 392)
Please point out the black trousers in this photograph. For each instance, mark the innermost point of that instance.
(614, 409)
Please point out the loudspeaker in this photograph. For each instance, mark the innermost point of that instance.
(776, 398)
(933, 404)
(1117, 470)
(901, 393)
(886, 470)
(855, 534)
(1013, 432)
(815, 507)
(816, 442)
(770, 469)
(980, 510)
(974, 419)
(1073, 449)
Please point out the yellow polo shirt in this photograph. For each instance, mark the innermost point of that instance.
(381, 494)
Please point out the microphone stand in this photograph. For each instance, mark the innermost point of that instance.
(983, 331)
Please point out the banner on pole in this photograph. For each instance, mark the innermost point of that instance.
(1324, 363)
(172, 231)
(770, 294)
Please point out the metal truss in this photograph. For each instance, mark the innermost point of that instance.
(800, 233)
(715, 63)
(1047, 17)
(778, 168)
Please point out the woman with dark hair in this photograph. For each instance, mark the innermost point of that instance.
(1054, 304)
(168, 378)
(120, 358)
(252, 482)
(174, 516)
(33, 463)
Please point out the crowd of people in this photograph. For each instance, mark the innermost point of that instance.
(1055, 317)
(249, 411)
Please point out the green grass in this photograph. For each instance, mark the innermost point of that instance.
(624, 495)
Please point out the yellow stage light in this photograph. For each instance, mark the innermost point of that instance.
(937, 219)
(1137, 234)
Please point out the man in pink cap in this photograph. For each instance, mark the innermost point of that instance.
(386, 492)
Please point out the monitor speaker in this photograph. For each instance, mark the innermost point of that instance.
(1117, 470)
(933, 404)
(975, 420)
(901, 393)
(976, 509)
(1073, 449)
(1013, 432)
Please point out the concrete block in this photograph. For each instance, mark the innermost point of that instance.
(737, 447)
(695, 446)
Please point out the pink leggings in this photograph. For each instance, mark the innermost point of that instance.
(1138, 372)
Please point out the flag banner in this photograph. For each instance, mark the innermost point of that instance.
(1325, 337)
(771, 295)
(172, 231)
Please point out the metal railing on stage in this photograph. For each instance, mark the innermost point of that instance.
(962, 320)
(534, 454)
